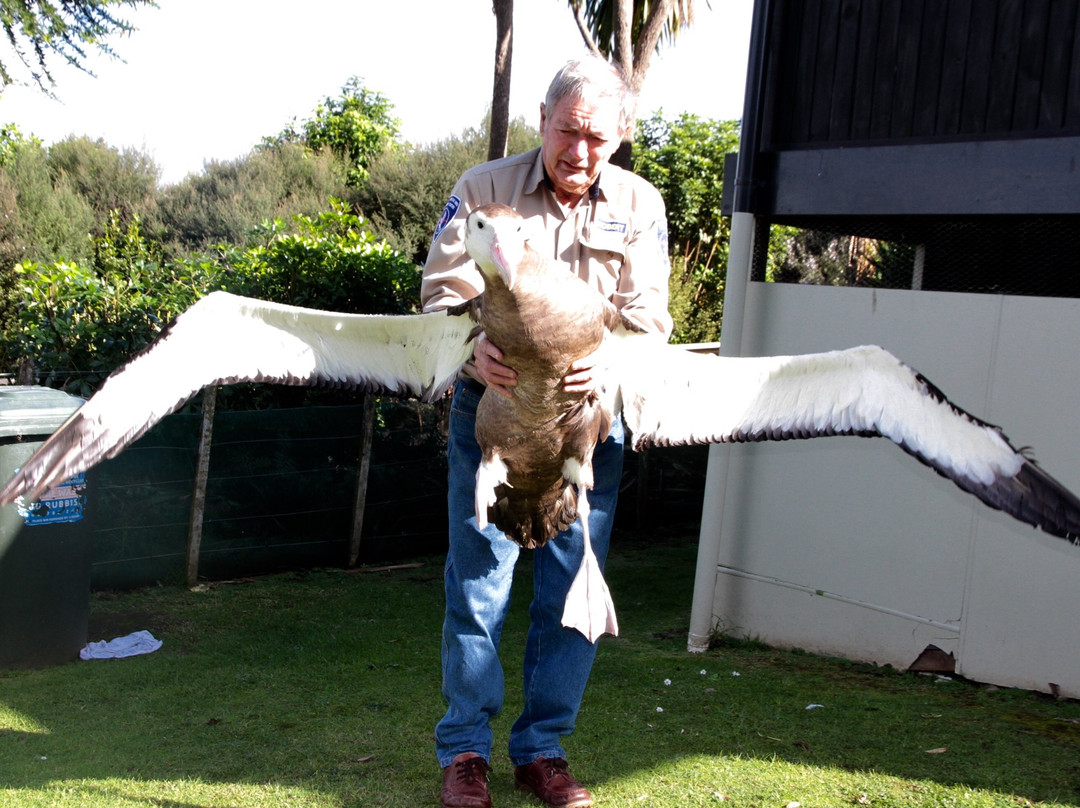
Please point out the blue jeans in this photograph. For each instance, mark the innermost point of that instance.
(479, 574)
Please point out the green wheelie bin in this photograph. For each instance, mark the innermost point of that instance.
(45, 550)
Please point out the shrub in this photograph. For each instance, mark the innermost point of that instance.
(357, 126)
(331, 261)
(78, 322)
(108, 179)
(45, 218)
(697, 308)
(407, 188)
(230, 198)
(684, 159)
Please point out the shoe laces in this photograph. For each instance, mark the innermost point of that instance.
(557, 767)
(472, 770)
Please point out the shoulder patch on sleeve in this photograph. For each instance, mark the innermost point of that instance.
(449, 212)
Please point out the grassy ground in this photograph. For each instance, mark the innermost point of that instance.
(322, 688)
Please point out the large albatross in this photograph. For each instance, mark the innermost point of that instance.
(537, 446)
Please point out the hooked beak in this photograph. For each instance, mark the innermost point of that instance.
(502, 264)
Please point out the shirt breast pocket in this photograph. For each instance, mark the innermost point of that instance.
(604, 245)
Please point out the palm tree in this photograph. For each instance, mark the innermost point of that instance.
(625, 31)
(500, 94)
(628, 31)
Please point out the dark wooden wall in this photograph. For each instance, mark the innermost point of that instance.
(913, 108)
(843, 72)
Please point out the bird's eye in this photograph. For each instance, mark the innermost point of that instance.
(480, 224)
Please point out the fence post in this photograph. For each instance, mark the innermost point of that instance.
(198, 496)
(367, 429)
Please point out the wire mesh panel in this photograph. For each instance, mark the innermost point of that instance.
(1015, 255)
(280, 495)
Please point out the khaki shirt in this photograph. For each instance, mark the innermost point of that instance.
(615, 240)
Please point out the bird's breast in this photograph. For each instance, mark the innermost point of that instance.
(541, 330)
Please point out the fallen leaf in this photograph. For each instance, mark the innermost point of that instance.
(365, 759)
(939, 751)
(862, 799)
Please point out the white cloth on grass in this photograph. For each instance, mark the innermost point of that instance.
(141, 642)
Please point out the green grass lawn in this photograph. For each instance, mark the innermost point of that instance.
(322, 689)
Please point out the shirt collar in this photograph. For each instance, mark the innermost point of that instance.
(539, 176)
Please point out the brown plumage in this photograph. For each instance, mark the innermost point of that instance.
(542, 319)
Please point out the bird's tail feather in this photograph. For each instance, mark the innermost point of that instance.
(532, 520)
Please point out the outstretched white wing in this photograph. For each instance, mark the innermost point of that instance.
(671, 396)
(224, 339)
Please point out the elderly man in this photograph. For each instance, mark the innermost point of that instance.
(608, 226)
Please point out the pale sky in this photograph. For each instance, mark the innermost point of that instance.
(208, 79)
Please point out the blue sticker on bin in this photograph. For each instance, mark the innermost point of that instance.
(61, 503)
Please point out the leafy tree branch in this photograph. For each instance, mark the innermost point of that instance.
(39, 31)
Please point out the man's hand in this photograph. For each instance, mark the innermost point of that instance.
(585, 374)
(489, 367)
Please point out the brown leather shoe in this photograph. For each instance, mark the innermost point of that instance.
(464, 782)
(550, 780)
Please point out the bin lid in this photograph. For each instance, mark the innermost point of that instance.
(31, 410)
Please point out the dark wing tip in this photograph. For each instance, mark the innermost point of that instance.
(1053, 507)
(1034, 497)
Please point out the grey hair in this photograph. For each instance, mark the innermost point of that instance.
(593, 79)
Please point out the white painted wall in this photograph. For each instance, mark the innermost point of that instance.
(848, 546)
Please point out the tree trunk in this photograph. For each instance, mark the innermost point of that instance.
(624, 60)
(500, 94)
(629, 55)
(645, 46)
(624, 44)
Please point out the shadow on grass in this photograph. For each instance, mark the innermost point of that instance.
(322, 689)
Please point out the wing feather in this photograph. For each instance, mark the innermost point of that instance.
(226, 339)
(670, 396)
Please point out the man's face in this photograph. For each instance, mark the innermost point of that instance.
(579, 137)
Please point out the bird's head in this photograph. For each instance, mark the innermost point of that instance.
(495, 240)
